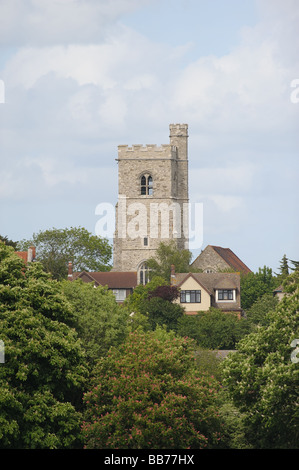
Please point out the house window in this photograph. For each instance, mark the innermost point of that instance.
(145, 241)
(190, 296)
(120, 294)
(226, 294)
(146, 185)
(143, 274)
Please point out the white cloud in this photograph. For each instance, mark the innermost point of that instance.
(226, 203)
(43, 22)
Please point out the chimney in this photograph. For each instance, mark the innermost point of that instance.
(31, 254)
(172, 275)
(70, 271)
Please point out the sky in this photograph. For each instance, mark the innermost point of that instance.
(78, 78)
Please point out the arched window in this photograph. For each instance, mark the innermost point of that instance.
(146, 185)
(143, 273)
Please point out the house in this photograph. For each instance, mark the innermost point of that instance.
(200, 291)
(121, 283)
(279, 293)
(27, 256)
(215, 258)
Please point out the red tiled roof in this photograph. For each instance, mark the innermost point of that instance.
(23, 255)
(230, 258)
(112, 279)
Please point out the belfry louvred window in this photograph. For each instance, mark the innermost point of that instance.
(146, 185)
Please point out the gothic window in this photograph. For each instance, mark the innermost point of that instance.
(146, 185)
(143, 273)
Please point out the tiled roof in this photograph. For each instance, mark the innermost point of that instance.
(230, 258)
(23, 255)
(211, 281)
(112, 279)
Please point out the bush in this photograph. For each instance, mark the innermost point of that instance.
(213, 329)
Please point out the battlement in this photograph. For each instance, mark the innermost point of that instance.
(178, 130)
(147, 151)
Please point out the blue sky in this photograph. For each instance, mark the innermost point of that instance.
(83, 77)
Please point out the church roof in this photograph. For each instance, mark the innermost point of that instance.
(231, 259)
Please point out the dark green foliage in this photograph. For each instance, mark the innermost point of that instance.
(255, 285)
(162, 312)
(43, 377)
(56, 247)
(8, 242)
(257, 314)
(262, 379)
(213, 329)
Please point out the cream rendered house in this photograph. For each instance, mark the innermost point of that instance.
(200, 291)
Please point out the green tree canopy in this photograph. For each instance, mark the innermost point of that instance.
(284, 267)
(162, 312)
(255, 285)
(44, 373)
(213, 329)
(258, 312)
(295, 264)
(56, 247)
(154, 301)
(99, 321)
(9, 242)
(262, 379)
(148, 394)
(141, 293)
(168, 254)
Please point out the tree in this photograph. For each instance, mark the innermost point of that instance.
(99, 321)
(284, 267)
(154, 302)
(258, 312)
(44, 374)
(295, 264)
(263, 380)
(162, 312)
(8, 242)
(166, 255)
(148, 394)
(165, 292)
(213, 329)
(141, 293)
(56, 247)
(255, 285)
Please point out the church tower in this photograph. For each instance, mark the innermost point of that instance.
(152, 201)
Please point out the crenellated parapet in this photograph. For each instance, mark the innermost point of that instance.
(147, 151)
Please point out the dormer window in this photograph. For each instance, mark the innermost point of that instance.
(146, 185)
(225, 295)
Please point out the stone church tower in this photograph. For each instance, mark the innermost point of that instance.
(152, 201)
